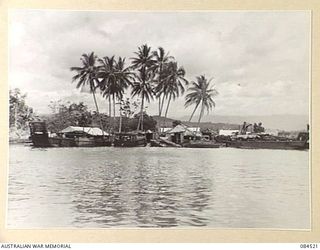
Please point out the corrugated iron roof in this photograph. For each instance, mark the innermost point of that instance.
(177, 129)
(181, 128)
(87, 130)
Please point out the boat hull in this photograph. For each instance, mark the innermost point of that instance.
(40, 138)
(45, 141)
(202, 145)
(268, 144)
(141, 143)
(129, 140)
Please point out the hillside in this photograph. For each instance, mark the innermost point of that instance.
(280, 122)
(203, 125)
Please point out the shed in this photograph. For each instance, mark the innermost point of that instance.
(181, 132)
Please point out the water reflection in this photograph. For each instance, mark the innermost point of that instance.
(147, 187)
(141, 194)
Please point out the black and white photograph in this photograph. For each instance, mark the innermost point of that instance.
(159, 119)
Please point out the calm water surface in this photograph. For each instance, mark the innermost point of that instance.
(157, 187)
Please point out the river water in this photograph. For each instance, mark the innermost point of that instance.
(157, 187)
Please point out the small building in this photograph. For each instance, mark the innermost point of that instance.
(181, 133)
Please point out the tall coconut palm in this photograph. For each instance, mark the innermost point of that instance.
(201, 93)
(161, 59)
(143, 89)
(124, 78)
(87, 75)
(143, 63)
(108, 84)
(115, 79)
(174, 83)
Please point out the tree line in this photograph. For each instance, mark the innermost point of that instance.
(152, 74)
(19, 112)
(64, 114)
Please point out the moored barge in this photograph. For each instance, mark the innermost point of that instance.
(72, 136)
(264, 141)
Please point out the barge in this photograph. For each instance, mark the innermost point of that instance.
(72, 136)
(265, 141)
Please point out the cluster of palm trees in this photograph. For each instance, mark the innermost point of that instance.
(151, 75)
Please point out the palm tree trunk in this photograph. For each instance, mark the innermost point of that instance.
(120, 122)
(95, 101)
(97, 108)
(159, 82)
(109, 106)
(114, 107)
(194, 111)
(139, 122)
(142, 108)
(165, 116)
(162, 103)
(200, 116)
(158, 125)
(114, 111)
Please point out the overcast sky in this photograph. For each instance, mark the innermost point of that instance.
(259, 60)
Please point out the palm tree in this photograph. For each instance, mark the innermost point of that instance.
(144, 89)
(87, 75)
(161, 60)
(108, 84)
(174, 82)
(124, 79)
(143, 63)
(201, 93)
(115, 79)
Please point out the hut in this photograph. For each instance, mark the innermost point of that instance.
(181, 133)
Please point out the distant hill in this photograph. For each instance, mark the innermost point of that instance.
(279, 122)
(203, 125)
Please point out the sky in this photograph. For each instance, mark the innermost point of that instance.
(258, 61)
